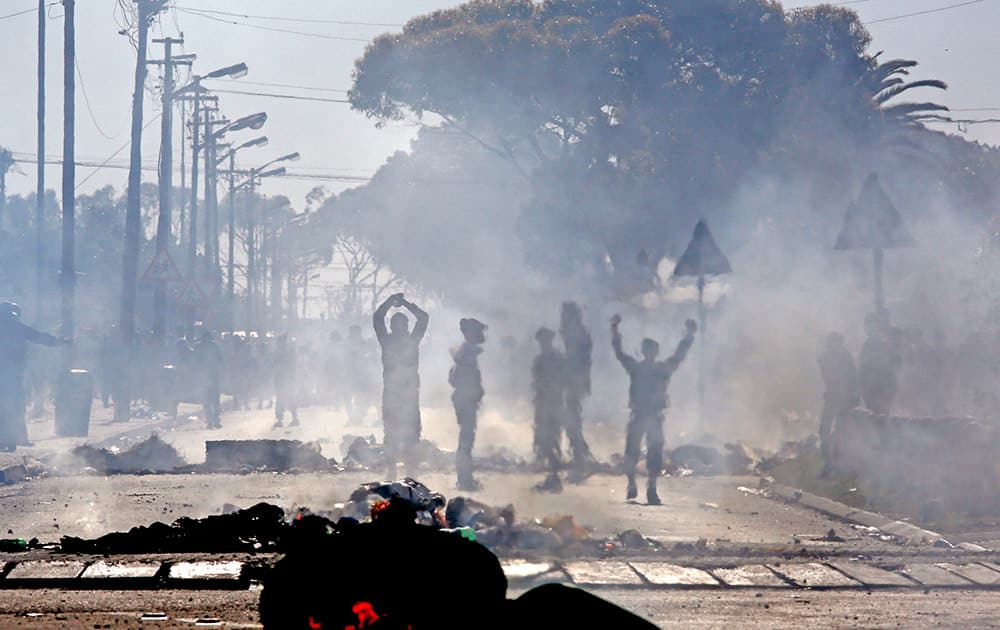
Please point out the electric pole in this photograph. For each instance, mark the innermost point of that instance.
(68, 273)
(193, 212)
(147, 9)
(40, 175)
(166, 180)
(230, 279)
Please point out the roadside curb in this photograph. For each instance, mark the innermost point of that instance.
(909, 533)
(129, 574)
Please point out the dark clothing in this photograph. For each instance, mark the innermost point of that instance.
(467, 382)
(400, 388)
(841, 380)
(207, 360)
(14, 340)
(648, 400)
(578, 347)
(549, 381)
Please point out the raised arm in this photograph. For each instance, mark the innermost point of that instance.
(420, 327)
(378, 319)
(671, 364)
(616, 343)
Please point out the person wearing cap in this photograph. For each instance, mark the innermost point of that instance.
(648, 401)
(400, 380)
(14, 339)
(467, 382)
(549, 381)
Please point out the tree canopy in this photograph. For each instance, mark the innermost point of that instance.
(622, 122)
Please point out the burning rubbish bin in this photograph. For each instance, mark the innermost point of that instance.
(73, 398)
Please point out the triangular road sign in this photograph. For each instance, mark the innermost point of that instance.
(162, 269)
(190, 295)
(702, 256)
(873, 221)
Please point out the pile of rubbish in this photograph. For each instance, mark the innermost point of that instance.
(152, 455)
(264, 528)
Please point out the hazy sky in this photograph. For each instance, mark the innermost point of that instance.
(956, 45)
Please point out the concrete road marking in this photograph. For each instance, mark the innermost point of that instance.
(933, 575)
(750, 575)
(38, 570)
(663, 574)
(814, 575)
(602, 572)
(102, 570)
(871, 575)
(206, 571)
(522, 569)
(977, 573)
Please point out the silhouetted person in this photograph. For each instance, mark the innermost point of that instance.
(878, 365)
(549, 381)
(359, 391)
(400, 380)
(14, 339)
(207, 359)
(836, 365)
(285, 383)
(467, 382)
(648, 401)
(578, 347)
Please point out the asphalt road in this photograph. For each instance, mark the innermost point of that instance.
(703, 520)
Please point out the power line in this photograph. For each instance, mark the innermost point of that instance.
(11, 15)
(285, 96)
(86, 100)
(925, 12)
(285, 85)
(288, 19)
(272, 29)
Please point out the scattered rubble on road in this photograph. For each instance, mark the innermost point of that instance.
(152, 455)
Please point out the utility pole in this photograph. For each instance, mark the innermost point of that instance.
(68, 274)
(193, 213)
(133, 216)
(230, 274)
(180, 226)
(40, 177)
(211, 238)
(252, 253)
(166, 180)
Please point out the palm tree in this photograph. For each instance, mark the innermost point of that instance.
(885, 81)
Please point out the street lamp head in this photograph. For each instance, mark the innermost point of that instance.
(274, 172)
(291, 157)
(256, 142)
(253, 121)
(233, 72)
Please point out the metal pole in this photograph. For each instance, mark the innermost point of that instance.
(133, 222)
(183, 200)
(40, 176)
(68, 275)
(252, 254)
(207, 197)
(701, 354)
(879, 294)
(230, 280)
(165, 183)
(193, 214)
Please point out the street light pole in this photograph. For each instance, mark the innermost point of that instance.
(40, 176)
(68, 274)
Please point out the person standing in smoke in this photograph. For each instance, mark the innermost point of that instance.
(578, 346)
(359, 388)
(14, 339)
(549, 380)
(878, 365)
(841, 380)
(400, 380)
(285, 383)
(648, 401)
(467, 382)
(207, 359)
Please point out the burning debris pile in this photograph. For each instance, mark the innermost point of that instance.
(152, 455)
